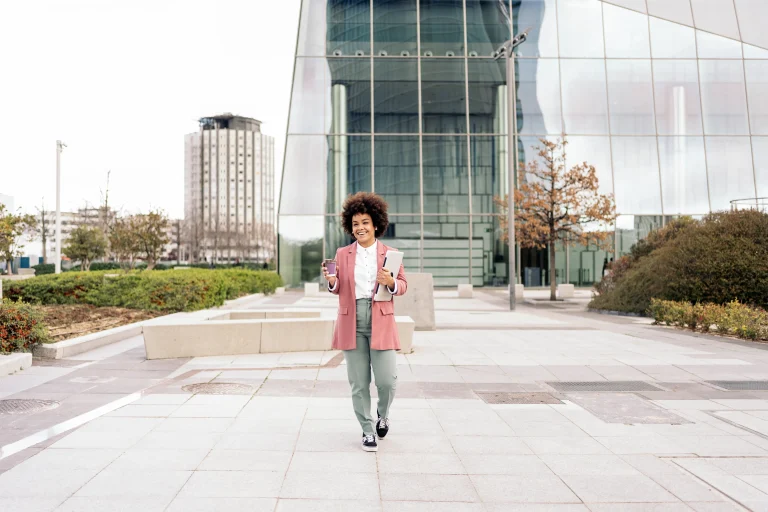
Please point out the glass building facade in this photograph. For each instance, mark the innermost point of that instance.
(668, 99)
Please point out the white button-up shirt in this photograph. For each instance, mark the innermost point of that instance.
(366, 268)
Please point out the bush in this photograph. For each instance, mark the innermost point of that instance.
(21, 327)
(734, 318)
(97, 266)
(170, 291)
(44, 268)
(717, 260)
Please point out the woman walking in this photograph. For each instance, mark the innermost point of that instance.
(365, 329)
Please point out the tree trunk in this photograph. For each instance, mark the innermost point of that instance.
(151, 264)
(552, 269)
(85, 265)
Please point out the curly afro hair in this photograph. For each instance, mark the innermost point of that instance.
(365, 202)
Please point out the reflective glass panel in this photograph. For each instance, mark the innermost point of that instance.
(349, 168)
(487, 28)
(631, 97)
(752, 15)
(729, 164)
(487, 237)
(753, 52)
(394, 27)
(312, 28)
(487, 95)
(300, 240)
(443, 96)
(678, 104)
(304, 172)
(723, 97)
(311, 98)
(349, 27)
(672, 40)
(717, 16)
(585, 109)
(446, 181)
(488, 154)
(580, 28)
(712, 46)
(446, 249)
(683, 175)
(350, 95)
(760, 150)
(538, 91)
(397, 172)
(626, 33)
(632, 228)
(594, 151)
(636, 175)
(757, 89)
(396, 95)
(442, 27)
(541, 16)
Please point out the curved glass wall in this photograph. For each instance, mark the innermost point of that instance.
(403, 97)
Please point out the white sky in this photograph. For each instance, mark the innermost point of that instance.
(122, 82)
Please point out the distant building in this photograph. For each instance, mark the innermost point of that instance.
(229, 190)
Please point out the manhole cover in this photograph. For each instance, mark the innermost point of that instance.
(219, 388)
(14, 406)
(740, 385)
(608, 386)
(518, 398)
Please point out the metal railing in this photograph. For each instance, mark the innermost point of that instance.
(759, 204)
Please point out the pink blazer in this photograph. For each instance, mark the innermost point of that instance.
(383, 329)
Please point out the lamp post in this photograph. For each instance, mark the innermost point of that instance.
(507, 50)
(59, 148)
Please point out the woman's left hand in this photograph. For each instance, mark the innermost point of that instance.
(384, 277)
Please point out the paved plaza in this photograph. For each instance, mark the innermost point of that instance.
(547, 408)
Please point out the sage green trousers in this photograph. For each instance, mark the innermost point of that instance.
(360, 361)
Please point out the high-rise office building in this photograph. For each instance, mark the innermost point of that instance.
(229, 191)
(668, 99)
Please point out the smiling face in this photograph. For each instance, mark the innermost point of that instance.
(362, 229)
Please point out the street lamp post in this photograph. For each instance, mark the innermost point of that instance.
(59, 148)
(508, 50)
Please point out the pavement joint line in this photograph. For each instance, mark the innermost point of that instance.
(72, 423)
(733, 423)
(703, 480)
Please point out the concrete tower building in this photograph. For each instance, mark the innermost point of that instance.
(229, 175)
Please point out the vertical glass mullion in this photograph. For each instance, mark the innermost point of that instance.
(421, 137)
(373, 135)
(469, 146)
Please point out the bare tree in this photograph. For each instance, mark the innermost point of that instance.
(43, 230)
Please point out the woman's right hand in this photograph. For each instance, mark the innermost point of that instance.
(331, 279)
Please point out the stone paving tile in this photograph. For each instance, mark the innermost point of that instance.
(223, 504)
(161, 399)
(639, 507)
(592, 465)
(259, 442)
(139, 459)
(410, 487)
(565, 445)
(232, 484)
(64, 459)
(119, 483)
(192, 425)
(475, 445)
(519, 465)
(343, 462)
(715, 506)
(50, 483)
(534, 507)
(330, 486)
(423, 506)
(28, 504)
(116, 504)
(526, 489)
(419, 463)
(178, 441)
(144, 411)
(611, 488)
(302, 505)
(246, 460)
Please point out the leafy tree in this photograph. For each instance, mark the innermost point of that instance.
(12, 227)
(124, 241)
(556, 204)
(86, 244)
(151, 231)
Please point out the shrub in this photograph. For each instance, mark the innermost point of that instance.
(717, 260)
(734, 318)
(97, 266)
(44, 268)
(170, 291)
(21, 327)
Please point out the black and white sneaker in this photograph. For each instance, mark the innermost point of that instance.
(369, 443)
(382, 426)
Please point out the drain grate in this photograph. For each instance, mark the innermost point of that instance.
(608, 386)
(740, 385)
(26, 406)
(518, 398)
(218, 388)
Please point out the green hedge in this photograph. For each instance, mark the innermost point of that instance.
(44, 268)
(184, 290)
(732, 318)
(722, 258)
(21, 327)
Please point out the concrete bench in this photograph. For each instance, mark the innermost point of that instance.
(465, 291)
(405, 327)
(565, 291)
(520, 291)
(311, 289)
